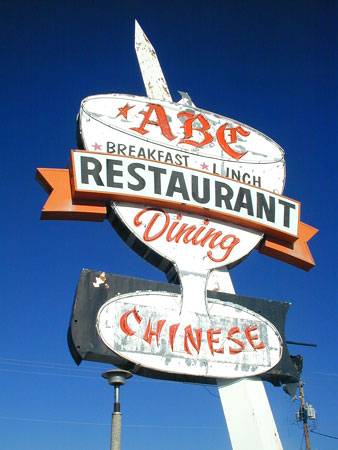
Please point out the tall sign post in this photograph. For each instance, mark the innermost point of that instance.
(193, 193)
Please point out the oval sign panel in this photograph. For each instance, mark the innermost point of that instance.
(183, 135)
(228, 342)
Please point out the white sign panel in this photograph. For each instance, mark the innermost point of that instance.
(230, 342)
(181, 134)
(145, 181)
(192, 242)
(179, 157)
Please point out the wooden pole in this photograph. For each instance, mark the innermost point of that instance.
(304, 416)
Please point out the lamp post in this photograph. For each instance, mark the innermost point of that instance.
(116, 378)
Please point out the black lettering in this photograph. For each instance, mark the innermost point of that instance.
(178, 160)
(157, 178)
(214, 167)
(220, 197)
(110, 147)
(185, 157)
(244, 177)
(168, 158)
(206, 189)
(244, 201)
(111, 173)
(151, 154)
(287, 207)
(94, 172)
(181, 188)
(131, 149)
(132, 171)
(121, 148)
(256, 181)
(160, 155)
(141, 153)
(236, 176)
(263, 205)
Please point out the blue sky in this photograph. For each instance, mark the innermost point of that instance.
(268, 65)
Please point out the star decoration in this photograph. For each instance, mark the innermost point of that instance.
(204, 166)
(96, 146)
(124, 111)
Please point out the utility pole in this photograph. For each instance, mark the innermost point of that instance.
(304, 415)
(116, 378)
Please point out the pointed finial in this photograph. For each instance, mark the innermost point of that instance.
(153, 78)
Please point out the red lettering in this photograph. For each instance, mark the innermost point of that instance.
(162, 121)
(228, 249)
(188, 129)
(148, 335)
(194, 240)
(146, 236)
(189, 335)
(233, 139)
(172, 334)
(211, 341)
(192, 338)
(124, 324)
(184, 230)
(190, 234)
(210, 234)
(234, 351)
(172, 227)
(250, 338)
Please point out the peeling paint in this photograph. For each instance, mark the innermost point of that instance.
(101, 280)
(147, 342)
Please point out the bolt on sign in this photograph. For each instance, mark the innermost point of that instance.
(191, 191)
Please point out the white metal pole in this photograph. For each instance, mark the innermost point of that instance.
(245, 404)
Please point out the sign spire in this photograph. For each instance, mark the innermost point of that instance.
(153, 78)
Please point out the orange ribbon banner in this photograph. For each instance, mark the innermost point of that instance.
(65, 202)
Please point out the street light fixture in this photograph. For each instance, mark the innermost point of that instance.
(116, 378)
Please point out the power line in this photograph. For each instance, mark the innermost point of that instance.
(68, 422)
(72, 422)
(139, 379)
(329, 374)
(32, 372)
(56, 366)
(95, 370)
(46, 367)
(48, 374)
(46, 362)
(209, 392)
(322, 434)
